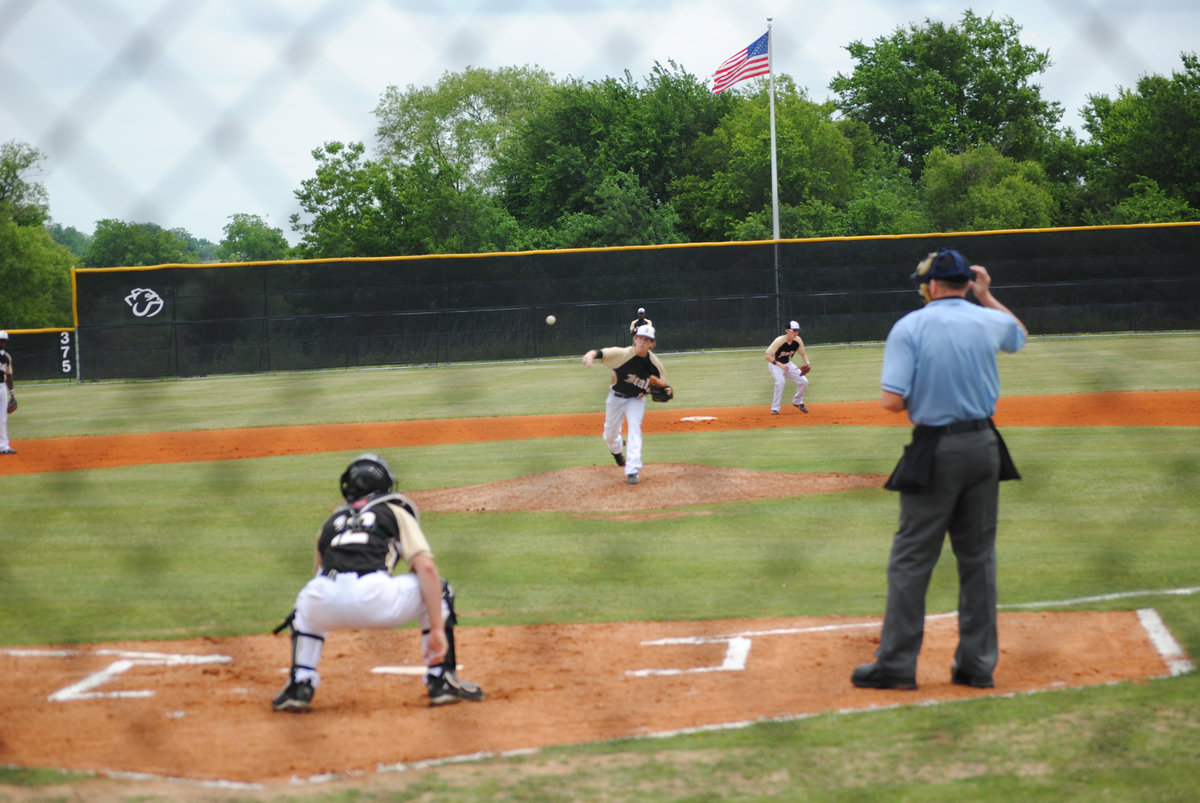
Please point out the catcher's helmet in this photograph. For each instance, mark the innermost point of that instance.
(367, 474)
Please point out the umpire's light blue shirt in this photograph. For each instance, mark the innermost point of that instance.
(942, 360)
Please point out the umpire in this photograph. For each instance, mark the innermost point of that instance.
(939, 364)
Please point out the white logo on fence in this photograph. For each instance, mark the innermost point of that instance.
(144, 302)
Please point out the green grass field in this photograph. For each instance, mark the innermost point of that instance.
(163, 552)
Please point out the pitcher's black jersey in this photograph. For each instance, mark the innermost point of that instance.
(631, 373)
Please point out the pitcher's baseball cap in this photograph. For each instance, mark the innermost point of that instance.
(645, 330)
(3, 335)
(641, 309)
(794, 326)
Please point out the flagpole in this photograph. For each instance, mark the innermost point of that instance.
(774, 167)
(774, 176)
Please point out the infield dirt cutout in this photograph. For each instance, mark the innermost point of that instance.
(199, 709)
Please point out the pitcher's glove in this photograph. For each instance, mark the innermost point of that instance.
(662, 393)
(804, 369)
(12, 403)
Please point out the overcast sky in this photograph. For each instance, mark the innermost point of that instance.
(184, 112)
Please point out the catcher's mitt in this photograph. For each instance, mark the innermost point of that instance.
(804, 369)
(12, 404)
(661, 394)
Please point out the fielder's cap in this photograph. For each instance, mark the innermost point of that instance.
(948, 265)
(794, 326)
(641, 310)
(645, 330)
(3, 335)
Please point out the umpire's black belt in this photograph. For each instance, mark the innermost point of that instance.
(959, 427)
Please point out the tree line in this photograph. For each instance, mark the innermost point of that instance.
(939, 127)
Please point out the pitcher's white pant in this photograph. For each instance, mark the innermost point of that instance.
(631, 411)
(782, 373)
(374, 601)
(4, 444)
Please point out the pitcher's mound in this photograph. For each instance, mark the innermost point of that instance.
(662, 485)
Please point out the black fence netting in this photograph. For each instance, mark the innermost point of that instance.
(41, 354)
(175, 320)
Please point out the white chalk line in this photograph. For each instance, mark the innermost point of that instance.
(1168, 648)
(739, 643)
(1160, 636)
(126, 660)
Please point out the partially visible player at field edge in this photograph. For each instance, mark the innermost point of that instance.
(640, 320)
(634, 370)
(6, 370)
(780, 357)
(354, 588)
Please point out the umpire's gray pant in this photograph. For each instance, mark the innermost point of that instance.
(963, 501)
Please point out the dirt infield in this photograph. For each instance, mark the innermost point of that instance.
(1169, 408)
(200, 709)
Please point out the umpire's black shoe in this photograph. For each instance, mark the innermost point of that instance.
(447, 689)
(872, 676)
(296, 698)
(961, 678)
(620, 458)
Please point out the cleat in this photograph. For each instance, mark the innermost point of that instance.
(447, 689)
(774, 412)
(801, 407)
(620, 458)
(296, 698)
(631, 479)
(8, 451)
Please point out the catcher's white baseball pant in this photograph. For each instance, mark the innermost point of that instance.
(4, 444)
(783, 373)
(348, 602)
(631, 411)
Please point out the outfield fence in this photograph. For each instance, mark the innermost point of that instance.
(192, 320)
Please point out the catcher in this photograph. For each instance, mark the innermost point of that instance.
(354, 588)
(636, 371)
(780, 359)
(10, 406)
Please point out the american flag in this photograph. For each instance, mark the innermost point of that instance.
(748, 62)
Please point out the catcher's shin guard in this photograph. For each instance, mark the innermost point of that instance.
(450, 662)
(306, 654)
(445, 687)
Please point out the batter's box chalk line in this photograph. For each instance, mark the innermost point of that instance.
(738, 645)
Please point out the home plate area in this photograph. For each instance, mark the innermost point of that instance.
(199, 709)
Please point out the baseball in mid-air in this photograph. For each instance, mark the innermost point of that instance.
(551, 320)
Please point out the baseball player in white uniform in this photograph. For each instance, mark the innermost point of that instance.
(780, 356)
(8, 399)
(353, 587)
(640, 320)
(634, 370)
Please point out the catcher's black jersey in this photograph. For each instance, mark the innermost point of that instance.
(5, 365)
(783, 350)
(370, 535)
